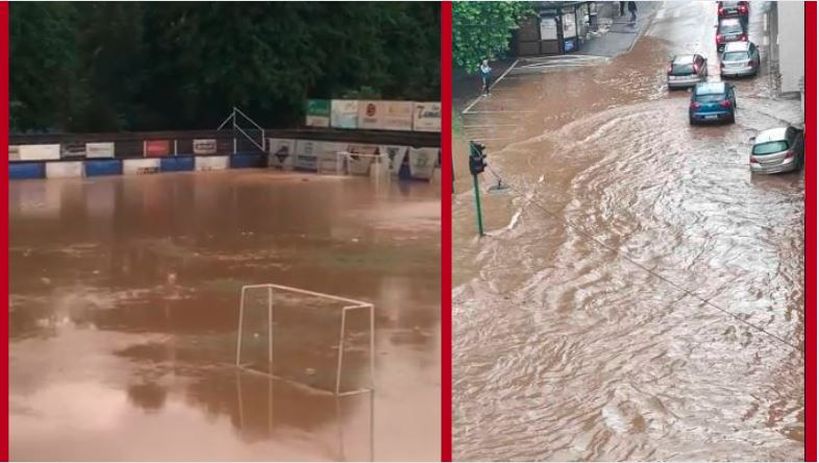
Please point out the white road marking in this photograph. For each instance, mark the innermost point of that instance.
(476, 100)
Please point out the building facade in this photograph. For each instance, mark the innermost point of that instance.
(789, 41)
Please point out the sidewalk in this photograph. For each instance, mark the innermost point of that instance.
(620, 35)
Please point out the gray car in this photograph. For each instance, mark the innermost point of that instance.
(686, 71)
(739, 59)
(778, 150)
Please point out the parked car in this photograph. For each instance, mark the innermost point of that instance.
(778, 150)
(712, 102)
(687, 71)
(733, 10)
(739, 59)
(730, 30)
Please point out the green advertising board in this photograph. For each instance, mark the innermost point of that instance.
(318, 113)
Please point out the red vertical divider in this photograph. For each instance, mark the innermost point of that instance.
(4, 210)
(446, 231)
(810, 231)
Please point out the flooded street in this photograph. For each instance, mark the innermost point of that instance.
(124, 311)
(639, 295)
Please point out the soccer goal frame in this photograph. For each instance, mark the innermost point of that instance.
(348, 305)
(344, 159)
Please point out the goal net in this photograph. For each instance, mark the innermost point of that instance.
(320, 341)
(345, 163)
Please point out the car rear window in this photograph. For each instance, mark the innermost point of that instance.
(735, 56)
(730, 28)
(770, 147)
(715, 88)
(710, 98)
(682, 69)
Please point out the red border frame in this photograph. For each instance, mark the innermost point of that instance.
(446, 231)
(810, 231)
(4, 210)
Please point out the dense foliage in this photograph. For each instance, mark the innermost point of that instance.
(109, 66)
(483, 30)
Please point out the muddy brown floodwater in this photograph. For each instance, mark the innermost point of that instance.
(639, 295)
(124, 311)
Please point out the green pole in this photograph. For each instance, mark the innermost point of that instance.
(478, 203)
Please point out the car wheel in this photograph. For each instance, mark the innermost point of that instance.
(733, 118)
(691, 121)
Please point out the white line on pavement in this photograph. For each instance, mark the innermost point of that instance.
(476, 100)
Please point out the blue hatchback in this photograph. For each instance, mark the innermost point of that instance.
(712, 102)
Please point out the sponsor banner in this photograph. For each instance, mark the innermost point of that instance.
(427, 117)
(140, 166)
(64, 169)
(156, 148)
(14, 153)
(39, 152)
(344, 114)
(318, 113)
(204, 146)
(385, 115)
(176, 164)
(281, 153)
(212, 163)
(395, 156)
(94, 168)
(26, 170)
(99, 150)
(422, 162)
(72, 150)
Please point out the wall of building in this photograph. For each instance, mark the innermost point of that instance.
(790, 41)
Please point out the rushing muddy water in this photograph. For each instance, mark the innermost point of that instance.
(124, 311)
(639, 294)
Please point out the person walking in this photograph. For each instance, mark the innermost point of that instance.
(622, 8)
(632, 8)
(486, 74)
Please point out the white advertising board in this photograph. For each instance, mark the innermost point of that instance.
(385, 115)
(344, 114)
(204, 146)
(39, 152)
(427, 117)
(422, 162)
(99, 150)
(281, 153)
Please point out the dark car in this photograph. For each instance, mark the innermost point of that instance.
(687, 71)
(733, 10)
(712, 102)
(730, 30)
(739, 59)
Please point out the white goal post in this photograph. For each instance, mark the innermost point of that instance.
(343, 304)
(346, 163)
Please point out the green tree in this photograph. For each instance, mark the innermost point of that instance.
(483, 29)
(99, 66)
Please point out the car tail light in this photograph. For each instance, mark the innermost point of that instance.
(669, 68)
(743, 37)
(721, 11)
(721, 65)
(788, 154)
(719, 38)
(694, 105)
(725, 103)
(754, 159)
(743, 8)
